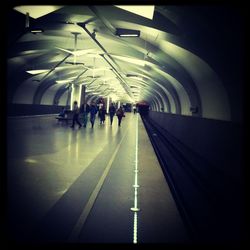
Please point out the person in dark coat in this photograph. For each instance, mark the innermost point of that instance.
(120, 114)
(76, 115)
(134, 109)
(62, 113)
(102, 114)
(112, 111)
(93, 111)
(85, 111)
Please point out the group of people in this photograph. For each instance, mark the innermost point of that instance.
(92, 109)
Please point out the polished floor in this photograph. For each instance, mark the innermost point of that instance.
(100, 185)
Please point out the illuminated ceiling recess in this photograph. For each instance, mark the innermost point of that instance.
(148, 66)
(37, 11)
(141, 10)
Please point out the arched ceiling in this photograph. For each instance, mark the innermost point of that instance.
(79, 45)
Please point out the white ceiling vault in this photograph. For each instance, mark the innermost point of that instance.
(165, 66)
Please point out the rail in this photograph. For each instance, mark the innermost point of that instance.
(199, 189)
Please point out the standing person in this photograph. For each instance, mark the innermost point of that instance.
(102, 113)
(85, 111)
(120, 114)
(134, 108)
(93, 111)
(112, 111)
(76, 115)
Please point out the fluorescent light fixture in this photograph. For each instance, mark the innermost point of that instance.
(127, 32)
(29, 160)
(35, 31)
(37, 51)
(72, 67)
(141, 10)
(36, 11)
(38, 71)
(128, 35)
(136, 78)
(130, 60)
(66, 80)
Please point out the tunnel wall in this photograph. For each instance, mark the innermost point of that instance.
(219, 142)
(32, 109)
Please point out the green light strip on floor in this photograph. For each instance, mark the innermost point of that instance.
(135, 209)
(135, 228)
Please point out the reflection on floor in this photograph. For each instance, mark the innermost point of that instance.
(79, 185)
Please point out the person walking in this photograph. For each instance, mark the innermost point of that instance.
(76, 115)
(93, 111)
(85, 111)
(112, 111)
(102, 114)
(120, 114)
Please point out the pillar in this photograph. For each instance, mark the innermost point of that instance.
(108, 100)
(27, 20)
(75, 95)
(82, 94)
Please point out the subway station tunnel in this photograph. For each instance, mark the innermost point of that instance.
(172, 172)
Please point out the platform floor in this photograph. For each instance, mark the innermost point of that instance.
(78, 185)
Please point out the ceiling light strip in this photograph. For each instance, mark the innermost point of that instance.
(125, 85)
(55, 67)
